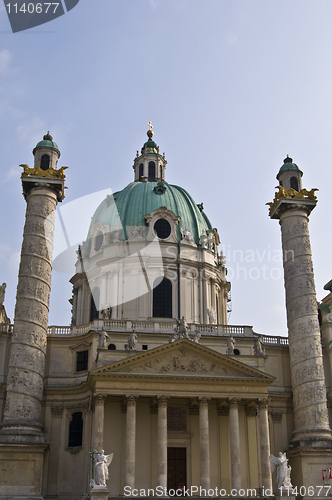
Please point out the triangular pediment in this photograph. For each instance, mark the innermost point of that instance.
(184, 357)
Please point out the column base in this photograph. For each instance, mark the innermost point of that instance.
(99, 493)
(21, 471)
(307, 466)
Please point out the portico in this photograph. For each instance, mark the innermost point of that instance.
(178, 396)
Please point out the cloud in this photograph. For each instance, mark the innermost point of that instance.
(4, 61)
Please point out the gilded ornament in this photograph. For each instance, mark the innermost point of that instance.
(304, 194)
(39, 172)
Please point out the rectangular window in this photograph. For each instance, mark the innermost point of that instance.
(144, 347)
(82, 361)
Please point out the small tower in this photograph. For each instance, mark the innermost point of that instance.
(289, 175)
(149, 165)
(22, 430)
(312, 434)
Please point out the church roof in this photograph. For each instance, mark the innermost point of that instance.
(140, 198)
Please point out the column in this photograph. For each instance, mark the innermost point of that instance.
(130, 441)
(162, 441)
(25, 383)
(204, 442)
(234, 437)
(263, 422)
(98, 423)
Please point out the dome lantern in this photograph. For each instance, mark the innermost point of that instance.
(289, 175)
(46, 153)
(150, 164)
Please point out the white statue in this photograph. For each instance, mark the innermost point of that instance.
(196, 336)
(258, 347)
(283, 471)
(212, 315)
(103, 339)
(230, 345)
(187, 235)
(101, 468)
(204, 239)
(132, 341)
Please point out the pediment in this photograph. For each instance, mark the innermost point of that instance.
(184, 357)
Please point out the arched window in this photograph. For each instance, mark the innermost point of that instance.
(152, 171)
(294, 184)
(94, 310)
(162, 298)
(45, 162)
(112, 347)
(99, 241)
(140, 171)
(76, 430)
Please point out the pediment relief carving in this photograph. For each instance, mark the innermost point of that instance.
(184, 361)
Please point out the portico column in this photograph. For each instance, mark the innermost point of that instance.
(263, 420)
(234, 434)
(130, 441)
(162, 441)
(98, 423)
(204, 442)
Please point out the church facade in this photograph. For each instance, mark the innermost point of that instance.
(149, 368)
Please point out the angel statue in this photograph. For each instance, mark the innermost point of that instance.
(101, 468)
(283, 471)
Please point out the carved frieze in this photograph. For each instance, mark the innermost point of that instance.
(184, 361)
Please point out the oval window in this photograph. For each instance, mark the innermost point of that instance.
(162, 228)
(99, 241)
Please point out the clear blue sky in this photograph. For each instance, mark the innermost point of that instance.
(231, 87)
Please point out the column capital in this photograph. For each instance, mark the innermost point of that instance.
(99, 399)
(162, 400)
(263, 403)
(131, 399)
(276, 416)
(233, 402)
(223, 410)
(203, 401)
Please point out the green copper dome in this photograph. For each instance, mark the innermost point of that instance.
(288, 165)
(140, 198)
(47, 142)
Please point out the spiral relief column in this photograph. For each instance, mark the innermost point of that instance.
(312, 434)
(43, 188)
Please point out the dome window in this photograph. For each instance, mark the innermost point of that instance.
(152, 171)
(162, 298)
(99, 241)
(140, 171)
(45, 162)
(294, 184)
(162, 229)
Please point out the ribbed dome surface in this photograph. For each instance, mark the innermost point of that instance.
(139, 198)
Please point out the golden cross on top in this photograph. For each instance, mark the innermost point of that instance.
(150, 125)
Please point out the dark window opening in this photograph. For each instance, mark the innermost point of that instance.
(76, 430)
(162, 298)
(162, 229)
(112, 347)
(99, 241)
(294, 184)
(94, 309)
(45, 162)
(82, 361)
(144, 347)
(320, 319)
(152, 171)
(236, 352)
(140, 171)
